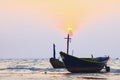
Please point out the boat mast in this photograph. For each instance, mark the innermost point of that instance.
(68, 40)
(54, 52)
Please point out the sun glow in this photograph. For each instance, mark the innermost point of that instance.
(60, 13)
(70, 30)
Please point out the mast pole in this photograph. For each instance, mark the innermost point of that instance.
(54, 52)
(68, 41)
(68, 44)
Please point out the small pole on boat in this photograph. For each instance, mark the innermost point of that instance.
(54, 52)
(92, 55)
(72, 52)
(68, 40)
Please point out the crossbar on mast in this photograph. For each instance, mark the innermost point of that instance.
(68, 40)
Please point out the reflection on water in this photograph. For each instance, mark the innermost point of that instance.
(40, 69)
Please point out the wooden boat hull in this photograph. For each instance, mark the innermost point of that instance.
(56, 63)
(75, 65)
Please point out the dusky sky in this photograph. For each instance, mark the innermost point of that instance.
(28, 28)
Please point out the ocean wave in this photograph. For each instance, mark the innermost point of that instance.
(25, 67)
(114, 70)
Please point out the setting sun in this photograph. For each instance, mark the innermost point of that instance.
(70, 30)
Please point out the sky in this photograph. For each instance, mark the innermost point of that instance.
(28, 28)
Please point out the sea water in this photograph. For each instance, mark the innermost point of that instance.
(41, 69)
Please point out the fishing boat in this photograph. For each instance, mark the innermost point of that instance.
(56, 63)
(76, 65)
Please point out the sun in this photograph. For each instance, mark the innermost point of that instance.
(70, 30)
